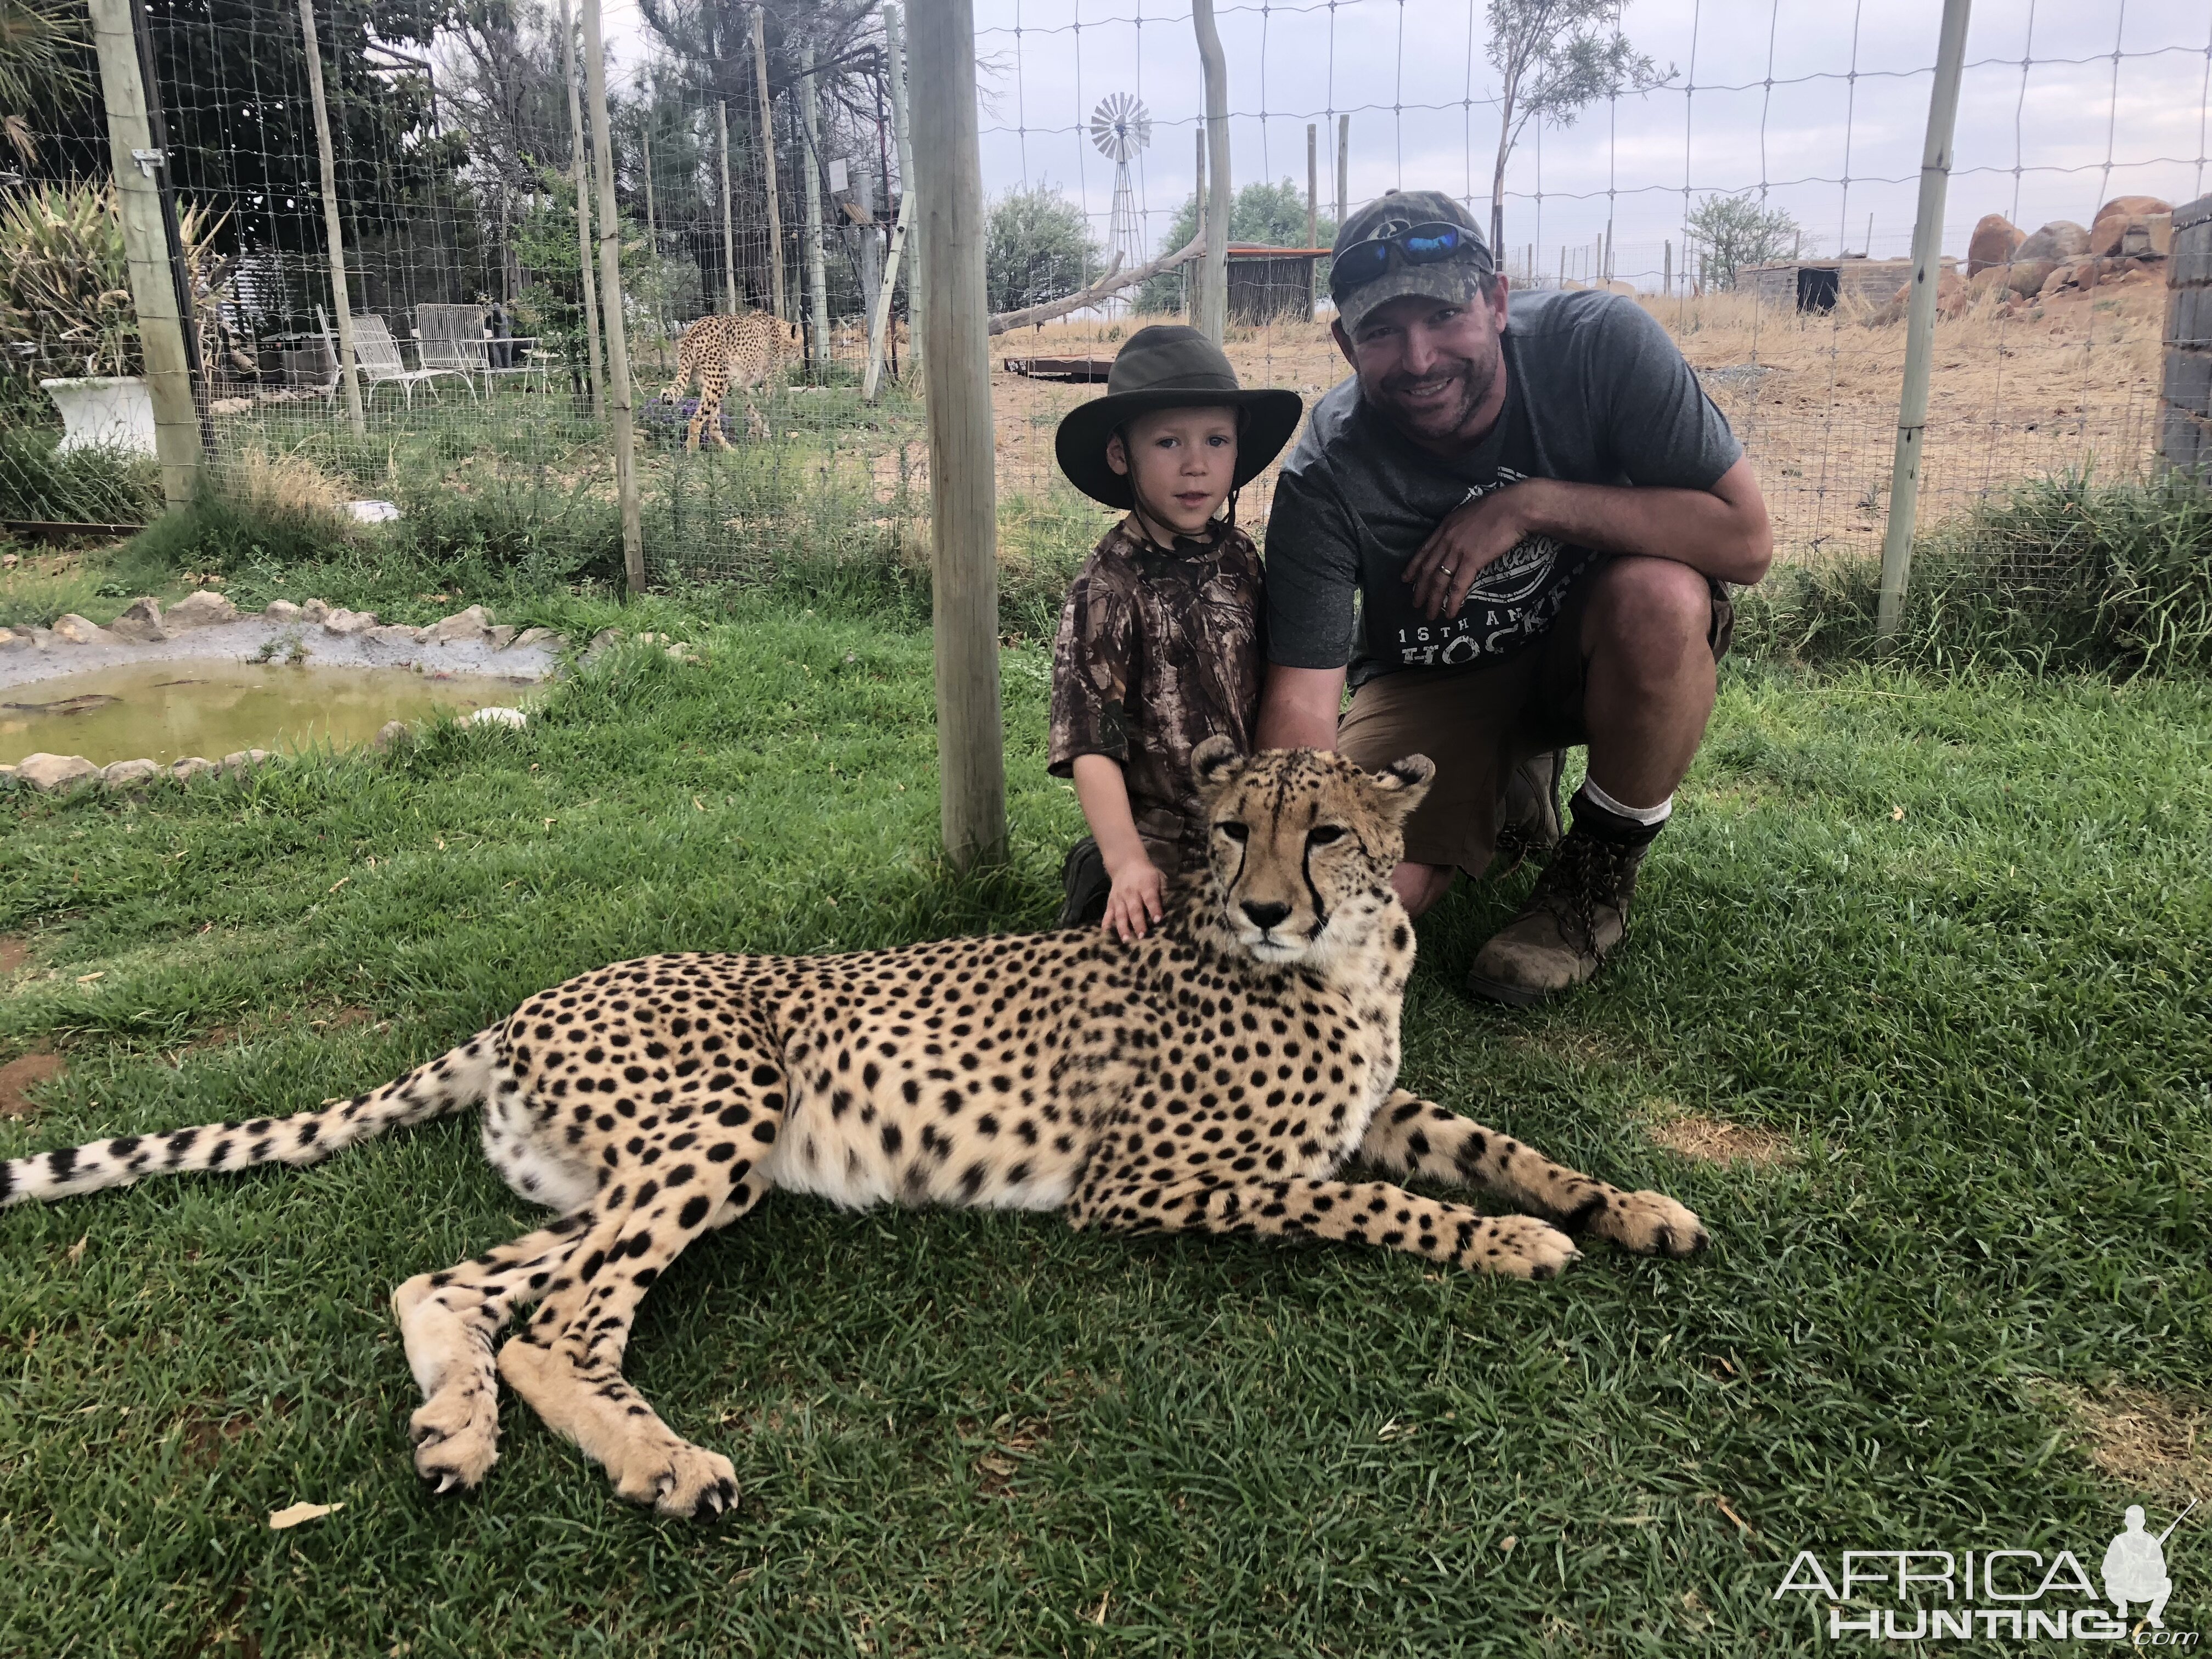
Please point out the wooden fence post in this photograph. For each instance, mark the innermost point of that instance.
(1195, 273)
(817, 290)
(895, 40)
(576, 173)
(963, 490)
(1920, 318)
(1343, 168)
(1313, 183)
(333, 234)
(768, 165)
(146, 252)
(729, 231)
(603, 158)
(1213, 320)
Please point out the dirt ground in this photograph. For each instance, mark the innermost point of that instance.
(2069, 383)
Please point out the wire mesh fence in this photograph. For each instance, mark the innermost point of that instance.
(757, 163)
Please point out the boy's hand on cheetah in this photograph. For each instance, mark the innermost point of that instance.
(1133, 908)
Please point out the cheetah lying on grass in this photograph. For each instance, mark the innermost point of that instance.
(1213, 1078)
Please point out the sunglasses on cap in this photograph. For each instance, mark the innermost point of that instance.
(1418, 245)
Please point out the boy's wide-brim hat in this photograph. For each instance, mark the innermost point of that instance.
(1171, 367)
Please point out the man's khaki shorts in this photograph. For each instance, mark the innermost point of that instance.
(1481, 724)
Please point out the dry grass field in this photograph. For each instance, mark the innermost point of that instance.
(2069, 383)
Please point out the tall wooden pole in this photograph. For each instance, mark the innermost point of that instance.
(879, 322)
(768, 165)
(729, 229)
(198, 366)
(166, 359)
(895, 41)
(1343, 169)
(1194, 274)
(1213, 320)
(1920, 318)
(963, 490)
(576, 173)
(817, 290)
(334, 236)
(603, 163)
(1313, 183)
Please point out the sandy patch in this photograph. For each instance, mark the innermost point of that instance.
(1713, 1140)
(2145, 1440)
(22, 1074)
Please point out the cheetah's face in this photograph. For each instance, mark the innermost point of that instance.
(788, 337)
(1301, 842)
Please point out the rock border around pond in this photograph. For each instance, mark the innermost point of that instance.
(61, 775)
(147, 624)
(206, 624)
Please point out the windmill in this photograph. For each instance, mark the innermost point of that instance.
(1121, 127)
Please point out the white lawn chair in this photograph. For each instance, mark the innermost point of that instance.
(376, 353)
(453, 337)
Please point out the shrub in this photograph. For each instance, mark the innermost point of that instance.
(2062, 572)
(40, 483)
(65, 285)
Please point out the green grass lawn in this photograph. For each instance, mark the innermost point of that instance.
(1934, 948)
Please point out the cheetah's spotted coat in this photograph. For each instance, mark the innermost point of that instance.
(1214, 1077)
(722, 351)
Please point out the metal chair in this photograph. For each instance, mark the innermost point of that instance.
(376, 355)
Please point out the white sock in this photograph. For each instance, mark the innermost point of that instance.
(1649, 817)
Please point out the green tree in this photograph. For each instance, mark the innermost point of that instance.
(1039, 247)
(550, 307)
(1554, 58)
(1270, 216)
(1730, 232)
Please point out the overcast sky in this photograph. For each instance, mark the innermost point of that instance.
(1414, 77)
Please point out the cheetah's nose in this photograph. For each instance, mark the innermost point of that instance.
(1265, 916)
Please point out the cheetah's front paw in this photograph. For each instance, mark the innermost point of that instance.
(1520, 1247)
(677, 1478)
(456, 1435)
(1651, 1223)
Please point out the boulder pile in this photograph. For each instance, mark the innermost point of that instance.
(2127, 241)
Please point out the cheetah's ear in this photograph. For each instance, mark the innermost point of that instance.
(1213, 763)
(1401, 784)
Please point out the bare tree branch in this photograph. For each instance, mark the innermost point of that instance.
(1112, 282)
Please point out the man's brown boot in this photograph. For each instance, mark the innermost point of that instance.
(1571, 923)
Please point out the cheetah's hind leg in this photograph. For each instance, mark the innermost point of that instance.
(712, 386)
(447, 1320)
(567, 1363)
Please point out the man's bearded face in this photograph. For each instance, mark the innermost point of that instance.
(1426, 365)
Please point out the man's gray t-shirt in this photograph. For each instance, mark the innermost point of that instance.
(1596, 393)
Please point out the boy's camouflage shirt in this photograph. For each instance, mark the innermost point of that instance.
(1158, 650)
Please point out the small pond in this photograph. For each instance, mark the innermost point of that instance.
(165, 711)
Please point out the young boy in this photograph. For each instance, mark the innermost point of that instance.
(1160, 642)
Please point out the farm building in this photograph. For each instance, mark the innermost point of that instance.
(1266, 284)
(1817, 284)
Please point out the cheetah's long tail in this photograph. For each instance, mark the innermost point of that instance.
(452, 1082)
